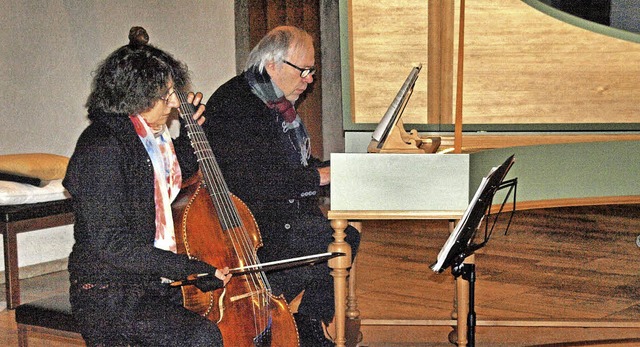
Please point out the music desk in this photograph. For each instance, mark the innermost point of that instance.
(346, 303)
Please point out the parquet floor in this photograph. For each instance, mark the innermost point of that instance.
(570, 264)
(558, 264)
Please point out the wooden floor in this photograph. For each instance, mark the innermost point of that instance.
(570, 264)
(557, 264)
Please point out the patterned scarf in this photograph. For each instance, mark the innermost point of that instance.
(167, 182)
(292, 125)
(285, 107)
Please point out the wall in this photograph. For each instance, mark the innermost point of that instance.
(49, 50)
(332, 130)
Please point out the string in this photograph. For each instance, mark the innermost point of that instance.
(457, 138)
(227, 212)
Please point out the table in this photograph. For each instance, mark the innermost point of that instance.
(346, 303)
(438, 186)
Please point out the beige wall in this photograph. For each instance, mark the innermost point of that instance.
(50, 48)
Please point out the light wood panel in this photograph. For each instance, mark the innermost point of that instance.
(521, 66)
(388, 38)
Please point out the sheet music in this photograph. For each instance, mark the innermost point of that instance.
(444, 252)
(393, 108)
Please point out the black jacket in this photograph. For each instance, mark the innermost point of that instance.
(111, 180)
(252, 151)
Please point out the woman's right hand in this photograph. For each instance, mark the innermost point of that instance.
(224, 275)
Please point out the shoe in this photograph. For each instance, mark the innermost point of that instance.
(311, 332)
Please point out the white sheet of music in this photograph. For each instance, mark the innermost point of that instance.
(391, 113)
(444, 252)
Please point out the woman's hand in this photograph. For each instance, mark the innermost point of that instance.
(224, 275)
(195, 99)
(208, 283)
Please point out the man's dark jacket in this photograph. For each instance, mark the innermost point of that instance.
(254, 154)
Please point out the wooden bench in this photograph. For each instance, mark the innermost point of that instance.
(50, 316)
(15, 219)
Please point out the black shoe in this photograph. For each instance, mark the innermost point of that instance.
(311, 332)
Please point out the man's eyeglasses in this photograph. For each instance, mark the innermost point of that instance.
(303, 72)
(167, 97)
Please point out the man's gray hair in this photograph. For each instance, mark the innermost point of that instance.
(275, 46)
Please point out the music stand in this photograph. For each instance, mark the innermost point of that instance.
(460, 243)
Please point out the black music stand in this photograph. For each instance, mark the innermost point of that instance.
(460, 243)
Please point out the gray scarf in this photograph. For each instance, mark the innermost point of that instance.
(262, 86)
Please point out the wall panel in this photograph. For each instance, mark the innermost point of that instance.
(521, 66)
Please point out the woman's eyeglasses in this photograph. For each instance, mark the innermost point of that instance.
(167, 97)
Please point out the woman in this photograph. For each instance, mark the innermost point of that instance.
(123, 176)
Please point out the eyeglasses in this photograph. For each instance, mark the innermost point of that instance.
(303, 72)
(167, 97)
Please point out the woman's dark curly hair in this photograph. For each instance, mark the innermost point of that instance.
(133, 78)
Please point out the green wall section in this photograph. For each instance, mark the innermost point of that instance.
(577, 170)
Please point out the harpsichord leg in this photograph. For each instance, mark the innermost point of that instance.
(340, 266)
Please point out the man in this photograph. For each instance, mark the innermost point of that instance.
(263, 150)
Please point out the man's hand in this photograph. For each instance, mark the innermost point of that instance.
(325, 175)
